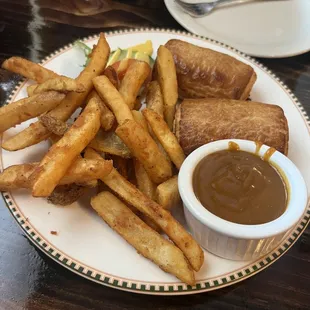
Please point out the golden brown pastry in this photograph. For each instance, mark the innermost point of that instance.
(205, 73)
(200, 121)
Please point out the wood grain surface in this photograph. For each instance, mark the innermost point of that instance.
(28, 278)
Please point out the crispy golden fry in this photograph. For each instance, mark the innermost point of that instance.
(60, 156)
(30, 89)
(112, 75)
(88, 154)
(54, 125)
(28, 69)
(148, 221)
(81, 172)
(167, 79)
(37, 132)
(85, 170)
(64, 195)
(143, 147)
(147, 187)
(145, 240)
(167, 139)
(24, 109)
(112, 98)
(16, 176)
(167, 193)
(130, 175)
(110, 143)
(134, 78)
(174, 230)
(145, 184)
(154, 98)
(139, 118)
(67, 194)
(107, 118)
(61, 84)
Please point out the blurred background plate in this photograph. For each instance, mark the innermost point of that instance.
(271, 29)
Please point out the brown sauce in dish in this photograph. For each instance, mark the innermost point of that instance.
(232, 146)
(240, 187)
(269, 153)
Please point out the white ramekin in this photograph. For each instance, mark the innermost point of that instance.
(237, 241)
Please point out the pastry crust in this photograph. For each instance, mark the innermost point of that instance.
(200, 121)
(205, 73)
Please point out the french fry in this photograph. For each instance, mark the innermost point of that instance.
(92, 154)
(147, 187)
(28, 69)
(81, 172)
(167, 193)
(61, 84)
(112, 75)
(88, 154)
(17, 176)
(144, 239)
(24, 109)
(112, 98)
(174, 230)
(167, 79)
(139, 118)
(110, 143)
(37, 132)
(145, 184)
(64, 195)
(103, 187)
(154, 98)
(85, 170)
(167, 139)
(54, 125)
(143, 147)
(61, 128)
(107, 118)
(60, 156)
(134, 77)
(30, 89)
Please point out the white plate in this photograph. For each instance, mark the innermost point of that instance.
(87, 246)
(259, 28)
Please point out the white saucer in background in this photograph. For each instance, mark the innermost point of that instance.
(271, 29)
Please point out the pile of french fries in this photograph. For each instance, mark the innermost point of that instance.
(131, 156)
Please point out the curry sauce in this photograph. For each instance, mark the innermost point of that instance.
(240, 187)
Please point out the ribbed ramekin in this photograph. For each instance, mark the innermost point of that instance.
(238, 241)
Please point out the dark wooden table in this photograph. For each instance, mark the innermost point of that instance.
(29, 279)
